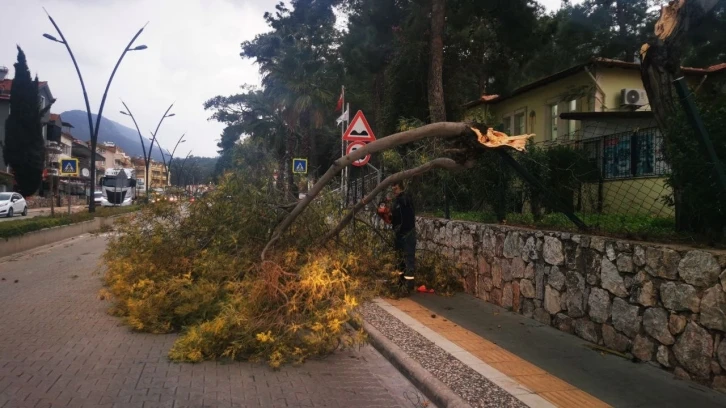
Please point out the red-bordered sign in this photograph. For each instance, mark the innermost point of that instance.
(359, 130)
(355, 146)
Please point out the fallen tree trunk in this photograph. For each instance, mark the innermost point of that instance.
(440, 130)
(472, 145)
(440, 163)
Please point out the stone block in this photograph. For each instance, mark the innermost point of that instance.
(713, 308)
(529, 271)
(495, 296)
(552, 300)
(679, 297)
(507, 296)
(506, 270)
(721, 354)
(599, 304)
(655, 323)
(643, 348)
(526, 287)
(625, 317)
(542, 316)
(676, 324)
(699, 268)
(614, 340)
(644, 294)
(497, 273)
(511, 248)
(610, 251)
(662, 262)
(563, 323)
(552, 251)
(518, 268)
(516, 297)
(639, 256)
(556, 279)
(611, 279)
(694, 349)
(586, 329)
(625, 263)
(598, 244)
(527, 308)
(664, 357)
(539, 281)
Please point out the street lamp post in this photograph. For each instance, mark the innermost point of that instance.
(147, 159)
(168, 169)
(93, 130)
(182, 168)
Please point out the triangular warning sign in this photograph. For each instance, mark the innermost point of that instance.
(69, 168)
(359, 130)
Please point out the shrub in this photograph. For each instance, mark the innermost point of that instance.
(22, 226)
(198, 271)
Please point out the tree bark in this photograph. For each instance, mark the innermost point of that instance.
(440, 163)
(437, 106)
(661, 57)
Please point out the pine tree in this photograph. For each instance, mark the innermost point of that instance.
(24, 149)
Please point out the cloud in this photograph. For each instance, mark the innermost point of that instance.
(193, 55)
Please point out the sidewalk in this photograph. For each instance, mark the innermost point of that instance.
(507, 355)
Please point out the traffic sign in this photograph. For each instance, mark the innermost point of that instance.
(69, 167)
(359, 130)
(355, 146)
(86, 173)
(300, 166)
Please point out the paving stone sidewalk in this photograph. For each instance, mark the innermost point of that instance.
(58, 348)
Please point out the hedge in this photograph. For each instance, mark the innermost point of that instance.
(22, 226)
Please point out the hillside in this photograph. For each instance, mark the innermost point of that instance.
(124, 137)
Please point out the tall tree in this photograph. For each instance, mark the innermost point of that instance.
(437, 106)
(24, 149)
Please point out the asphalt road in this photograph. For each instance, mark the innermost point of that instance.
(59, 348)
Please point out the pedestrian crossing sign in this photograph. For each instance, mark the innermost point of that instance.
(69, 167)
(300, 166)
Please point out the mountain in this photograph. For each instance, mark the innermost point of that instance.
(124, 137)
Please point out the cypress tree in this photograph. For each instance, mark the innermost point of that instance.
(24, 148)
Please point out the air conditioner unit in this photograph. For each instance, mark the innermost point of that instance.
(634, 97)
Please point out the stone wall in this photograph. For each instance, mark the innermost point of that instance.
(665, 305)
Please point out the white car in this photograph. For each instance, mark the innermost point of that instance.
(11, 204)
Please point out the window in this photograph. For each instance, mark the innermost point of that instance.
(571, 124)
(634, 154)
(554, 117)
(507, 125)
(519, 124)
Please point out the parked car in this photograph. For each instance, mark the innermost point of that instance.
(97, 196)
(11, 204)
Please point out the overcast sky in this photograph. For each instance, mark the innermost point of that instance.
(193, 55)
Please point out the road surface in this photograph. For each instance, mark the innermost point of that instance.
(59, 348)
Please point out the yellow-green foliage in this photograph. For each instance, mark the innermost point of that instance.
(197, 270)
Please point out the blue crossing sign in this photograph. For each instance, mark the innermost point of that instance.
(69, 167)
(300, 166)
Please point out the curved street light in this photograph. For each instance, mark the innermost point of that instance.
(171, 157)
(147, 158)
(93, 130)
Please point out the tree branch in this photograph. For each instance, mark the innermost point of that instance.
(442, 163)
(440, 130)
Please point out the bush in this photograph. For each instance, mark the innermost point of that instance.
(22, 226)
(198, 271)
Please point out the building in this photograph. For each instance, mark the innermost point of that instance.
(158, 175)
(46, 97)
(601, 107)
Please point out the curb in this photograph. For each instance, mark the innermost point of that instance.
(431, 386)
